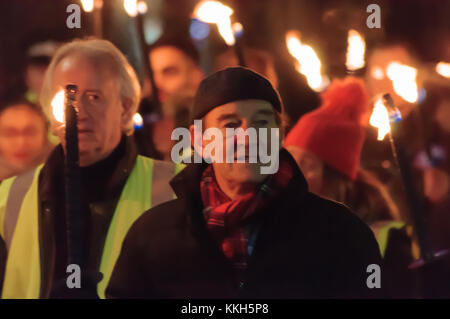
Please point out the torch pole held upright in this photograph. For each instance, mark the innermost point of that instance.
(415, 203)
(74, 219)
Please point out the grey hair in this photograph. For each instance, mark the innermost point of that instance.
(105, 51)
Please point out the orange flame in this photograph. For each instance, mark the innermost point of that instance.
(218, 13)
(58, 106)
(88, 5)
(131, 7)
(355, 51)
(380, 119)
(403, 79)
(443, 68)
(308, 62)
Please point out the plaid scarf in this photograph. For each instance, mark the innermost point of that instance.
(225, 218)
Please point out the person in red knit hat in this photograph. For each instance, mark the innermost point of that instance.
(327, 144)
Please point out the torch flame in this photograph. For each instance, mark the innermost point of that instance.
(58, 106)
(380, 119)
(443, 68)
(131, 7)
(218, 13)
(88, 5)
(403, 79)
(308, 62)
(355, 51)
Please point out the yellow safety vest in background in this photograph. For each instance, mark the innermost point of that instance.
(23, 267)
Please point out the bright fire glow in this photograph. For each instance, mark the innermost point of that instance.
(88, 5)
(380, 119)
(355, 51)
(138, 121)
(131, 7)
(58, 106)
(443, 68)
(308, 62)
(403, 79)
(377, 73)
(142, 7)
(218, 13)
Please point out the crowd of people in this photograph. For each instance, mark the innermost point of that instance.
(153, 228)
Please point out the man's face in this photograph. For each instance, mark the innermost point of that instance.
(34, 77)
(173, 71)
(22, 136)
(241, 114)
(102, 115)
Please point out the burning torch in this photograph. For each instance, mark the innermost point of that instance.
(308, 63)
(74, 219)
(64, 112)
(387, 118)
(220, 14)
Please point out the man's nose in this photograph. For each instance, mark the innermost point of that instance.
(244, 127)
(81, 107)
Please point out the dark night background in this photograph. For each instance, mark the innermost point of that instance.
(424, 24)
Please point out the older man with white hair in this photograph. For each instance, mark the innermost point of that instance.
(117, 184)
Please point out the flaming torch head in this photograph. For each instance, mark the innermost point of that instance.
(380, 119)
(403, 79)
(355, 51)
(308, 62)
(88, 5)
(384, 113)
(131, 7)
(58, 106)
(218, 13)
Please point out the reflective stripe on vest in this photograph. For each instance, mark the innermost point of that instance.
(18, 190)
(23, 269)
(22, 275)
(381, 231)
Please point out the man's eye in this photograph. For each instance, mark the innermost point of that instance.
(231, 125)
(8, 133)
(262, 122)
(170, 71)
(94, 97)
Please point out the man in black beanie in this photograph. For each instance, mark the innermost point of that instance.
(235, 232)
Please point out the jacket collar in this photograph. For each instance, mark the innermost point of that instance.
(53, 170)
(186, 185)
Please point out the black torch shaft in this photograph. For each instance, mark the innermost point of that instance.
(415, 202)
(74, 220)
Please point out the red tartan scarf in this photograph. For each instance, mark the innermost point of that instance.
(225, 218)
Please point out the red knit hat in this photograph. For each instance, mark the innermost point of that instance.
(335, 131)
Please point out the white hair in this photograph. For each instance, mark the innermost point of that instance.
(105, 51)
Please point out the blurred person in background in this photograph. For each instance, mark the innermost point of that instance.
(432, 158)
(37, 61)
(176, 72)
(23, 138)
(327, 144)
(256, 59)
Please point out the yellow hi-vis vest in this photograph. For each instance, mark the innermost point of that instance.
(23, 267)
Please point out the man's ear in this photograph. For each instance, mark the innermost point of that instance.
(127, 113)
(196, 140)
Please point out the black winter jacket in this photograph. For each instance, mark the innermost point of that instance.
(307, 247)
